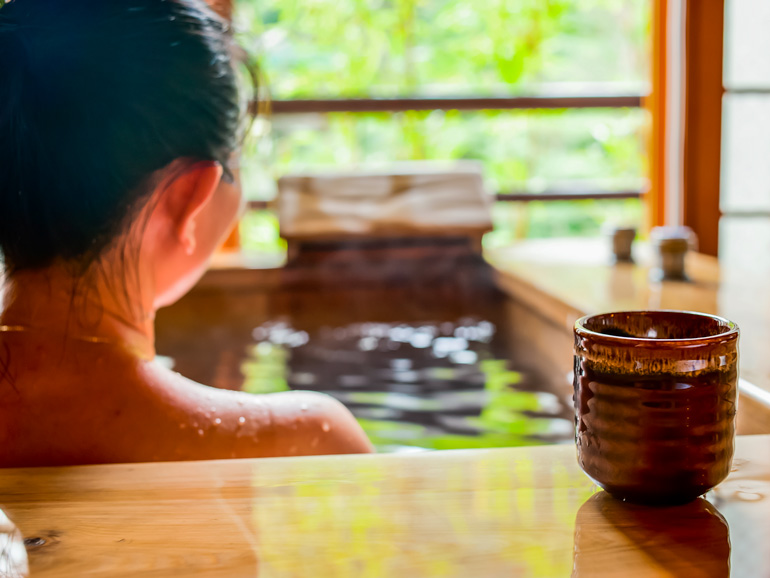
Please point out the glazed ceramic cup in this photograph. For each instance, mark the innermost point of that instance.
(655, 403)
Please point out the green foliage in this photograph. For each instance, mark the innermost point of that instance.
(520, 150)
(371, 48)
(514, 221)
(334, 48)
(259, 233)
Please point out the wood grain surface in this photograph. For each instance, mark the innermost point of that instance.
(483, 513)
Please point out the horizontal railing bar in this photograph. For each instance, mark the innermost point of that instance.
(527, 197)
(750, 90)
(307, 106)
(567, 195)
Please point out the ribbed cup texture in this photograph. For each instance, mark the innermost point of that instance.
(655, 403)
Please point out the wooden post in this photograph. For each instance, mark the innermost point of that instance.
(703, 120)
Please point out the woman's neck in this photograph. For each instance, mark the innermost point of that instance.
(96, 307)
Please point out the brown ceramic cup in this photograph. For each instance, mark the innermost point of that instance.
(655, 403)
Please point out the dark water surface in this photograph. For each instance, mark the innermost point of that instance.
(424, 359)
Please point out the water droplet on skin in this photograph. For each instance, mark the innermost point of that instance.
(182, 426)
(217, 421)
(232, 454)
(293, 450)
(314, 443)
(200, 432)
(195, 424)
(241, 420)
(326, 427)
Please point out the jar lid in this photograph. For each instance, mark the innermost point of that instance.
(672, 245)
(673, 239)
(608, 229)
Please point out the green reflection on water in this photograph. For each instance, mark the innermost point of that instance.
(392, 435)
(264, 369)
(505, 417)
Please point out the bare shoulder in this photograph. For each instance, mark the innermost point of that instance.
(239, 424)
(312, 423)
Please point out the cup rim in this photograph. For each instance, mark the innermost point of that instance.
(732, 328)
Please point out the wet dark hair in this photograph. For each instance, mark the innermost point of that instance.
(96, 96)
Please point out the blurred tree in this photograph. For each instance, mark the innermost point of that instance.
(358, 48)
(381, 48)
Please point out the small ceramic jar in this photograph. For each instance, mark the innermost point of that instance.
(670, 245)
(655, 403)
(622, 239)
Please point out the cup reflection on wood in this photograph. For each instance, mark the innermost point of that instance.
(655, 403)
(614, 538)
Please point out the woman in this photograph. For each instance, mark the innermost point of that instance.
(118, 137)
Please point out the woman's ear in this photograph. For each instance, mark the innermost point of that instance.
(185, 196)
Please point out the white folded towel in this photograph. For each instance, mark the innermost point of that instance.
(410, 197)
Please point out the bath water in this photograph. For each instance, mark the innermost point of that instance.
(423, 357)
